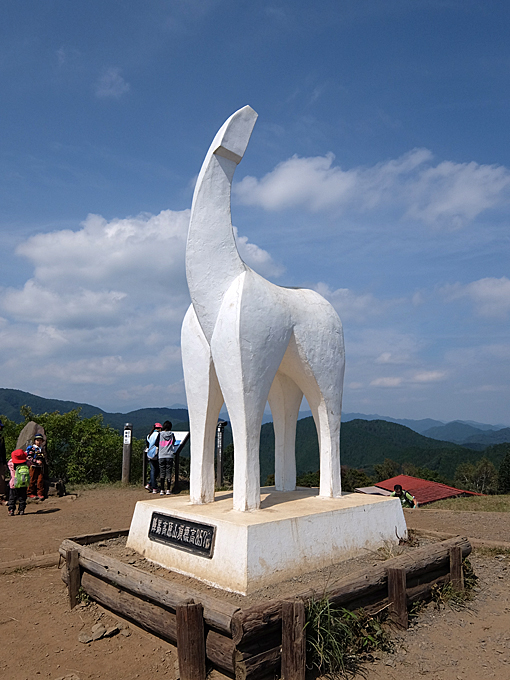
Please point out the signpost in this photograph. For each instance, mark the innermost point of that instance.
(219, 452)
(126, 452)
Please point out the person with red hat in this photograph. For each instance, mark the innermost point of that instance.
(4, 484)
(151, 451)
(20, 479)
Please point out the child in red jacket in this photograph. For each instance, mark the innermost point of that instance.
(19, 481)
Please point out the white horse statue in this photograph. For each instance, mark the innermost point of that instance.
(246, 341)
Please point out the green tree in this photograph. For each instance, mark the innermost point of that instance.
(481, 476)
(84, 450)
(504, 474)
(423, 473)
(353, 478)
(11, 431)
(387, 470)
(309, 479)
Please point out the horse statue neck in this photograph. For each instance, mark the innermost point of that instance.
(212, 259)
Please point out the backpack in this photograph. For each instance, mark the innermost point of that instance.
(409, 498)
(152, 445)
(21, 476)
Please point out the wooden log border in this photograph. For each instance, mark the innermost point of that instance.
(246, 644)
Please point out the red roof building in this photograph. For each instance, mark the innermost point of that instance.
(423, 490)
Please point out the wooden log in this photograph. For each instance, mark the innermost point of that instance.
(86, 539)
(293, 657)
(423, 591)
(191, 641)
(397, 597)
(49, 560)
(248, 623)
(147, 615)
(217, 613)
(156, 619)
(264, 665)
(220, 650)
(73, 576)
(412, 581)
(262, 643)
(430, 557)
(456, 571)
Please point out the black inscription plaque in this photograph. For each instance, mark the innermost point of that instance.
(182, 534)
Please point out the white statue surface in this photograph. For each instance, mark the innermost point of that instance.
(246, 341)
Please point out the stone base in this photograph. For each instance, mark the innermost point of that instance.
(293, 533)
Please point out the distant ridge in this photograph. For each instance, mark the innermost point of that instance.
(467, 433)
(419, 426)
(142, 419)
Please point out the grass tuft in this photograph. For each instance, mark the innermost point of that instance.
(457, 599)
(389, 550)
(339, 641)
(83, 596)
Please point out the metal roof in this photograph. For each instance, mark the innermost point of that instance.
(424, 490)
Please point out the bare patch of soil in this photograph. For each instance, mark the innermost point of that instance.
(40, 635)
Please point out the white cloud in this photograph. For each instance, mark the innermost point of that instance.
(111, 84)
(352, 306)
(256, 257)
(382, 345)
(401, 381)
(490, 296)
(387, 382)
(429, 376)
(72, 309)
(450, 194)
(104, 305)
(61, 56)
(394, 358)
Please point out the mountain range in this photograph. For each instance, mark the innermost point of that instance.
(142, 419)
(365, 440)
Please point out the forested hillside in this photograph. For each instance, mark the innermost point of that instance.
(365, 443)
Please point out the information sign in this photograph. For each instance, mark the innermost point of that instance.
(182, 534)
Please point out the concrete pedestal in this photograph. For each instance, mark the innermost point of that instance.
(293, 533)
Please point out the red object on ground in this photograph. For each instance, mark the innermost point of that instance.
(424, 490)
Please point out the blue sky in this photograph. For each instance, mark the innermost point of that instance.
(378, 174)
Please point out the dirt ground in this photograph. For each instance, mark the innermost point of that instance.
(40, 635)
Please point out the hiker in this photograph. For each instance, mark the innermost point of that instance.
(151, 450)
(4, 483)
(35, 459)
(166, 457)
(406, 499)
(20, 479)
